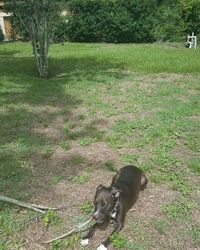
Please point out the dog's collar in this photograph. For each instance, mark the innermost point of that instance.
(116, 196)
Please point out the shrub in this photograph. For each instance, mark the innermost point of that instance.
(169, 25)
(111, 21)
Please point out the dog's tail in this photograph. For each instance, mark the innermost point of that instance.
(144, 182)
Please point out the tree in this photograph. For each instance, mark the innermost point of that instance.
(191, 15)
(37, 18)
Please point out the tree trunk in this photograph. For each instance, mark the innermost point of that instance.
(40, 42)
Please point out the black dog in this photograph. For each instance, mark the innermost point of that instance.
(112, 203)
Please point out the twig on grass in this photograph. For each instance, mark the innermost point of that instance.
(34, 207)
(74, 230)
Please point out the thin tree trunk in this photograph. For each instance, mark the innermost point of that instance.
(40, 42)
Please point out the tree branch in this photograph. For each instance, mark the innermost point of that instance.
(34, 207)
(75, 230)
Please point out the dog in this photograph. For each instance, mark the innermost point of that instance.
(112, 203)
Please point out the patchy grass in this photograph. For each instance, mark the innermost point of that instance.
(65, 145)
(110, 166)
(118, 241)
(178, 210)
(161, 225)
(81, 179)
(51, 217)
(87, 207)
(103, 106)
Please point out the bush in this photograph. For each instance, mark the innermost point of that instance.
(60, 30)
(111, 21)
(169, 25)
(1, 35)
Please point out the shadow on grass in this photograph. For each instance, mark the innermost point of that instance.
(27, 100)
(8, 53)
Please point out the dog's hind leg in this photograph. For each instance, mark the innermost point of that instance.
(85, 240)
(144, 182)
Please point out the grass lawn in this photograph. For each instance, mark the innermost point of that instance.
(103, 106)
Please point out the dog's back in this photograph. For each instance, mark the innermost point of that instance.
(129, 180)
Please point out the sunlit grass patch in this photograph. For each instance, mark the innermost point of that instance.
(194, 165)
(178, 210)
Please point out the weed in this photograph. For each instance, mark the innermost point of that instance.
(183, 187)
(86, 141)
(141, 233)
(156, 178)
(192, 142)
(178, 183)
(77, 159)
(56, 245)
(194, 232)
(81, 117)
(51, 217)
(145, 167)
(73, 135)
(129, 158)
(110, 166)
(56, 179)
(194, 165)
(71, 125)
(118, 241)
(10, 226)
(65, 145)
(86, 207)
(72, 241)
(114, 141)
(47, 152)
(136, 245)
(178, 210)
(81, 179)
(160, 225)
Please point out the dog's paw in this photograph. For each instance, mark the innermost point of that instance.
(84, 242)
(102, 247)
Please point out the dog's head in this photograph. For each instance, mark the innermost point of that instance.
(103, 203)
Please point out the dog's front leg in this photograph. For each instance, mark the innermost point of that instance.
(118, 227)
(85, 240)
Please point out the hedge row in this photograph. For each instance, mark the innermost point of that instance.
(111, 21)
(124, 21)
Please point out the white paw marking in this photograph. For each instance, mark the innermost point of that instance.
(113, 215)
(102, 247)
(84, 242)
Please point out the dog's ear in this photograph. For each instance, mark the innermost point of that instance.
(100, 187)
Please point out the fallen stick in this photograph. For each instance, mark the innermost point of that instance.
(34, 207)
(75, 230)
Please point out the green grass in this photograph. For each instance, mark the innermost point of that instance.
(178, 210)
(87, 207)
(81, 179)
(65, 145)
(110, 166)
(194, 165)
(140, 100)
(160, 225)
(118, 241)
(76, 159)
(51, 217)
